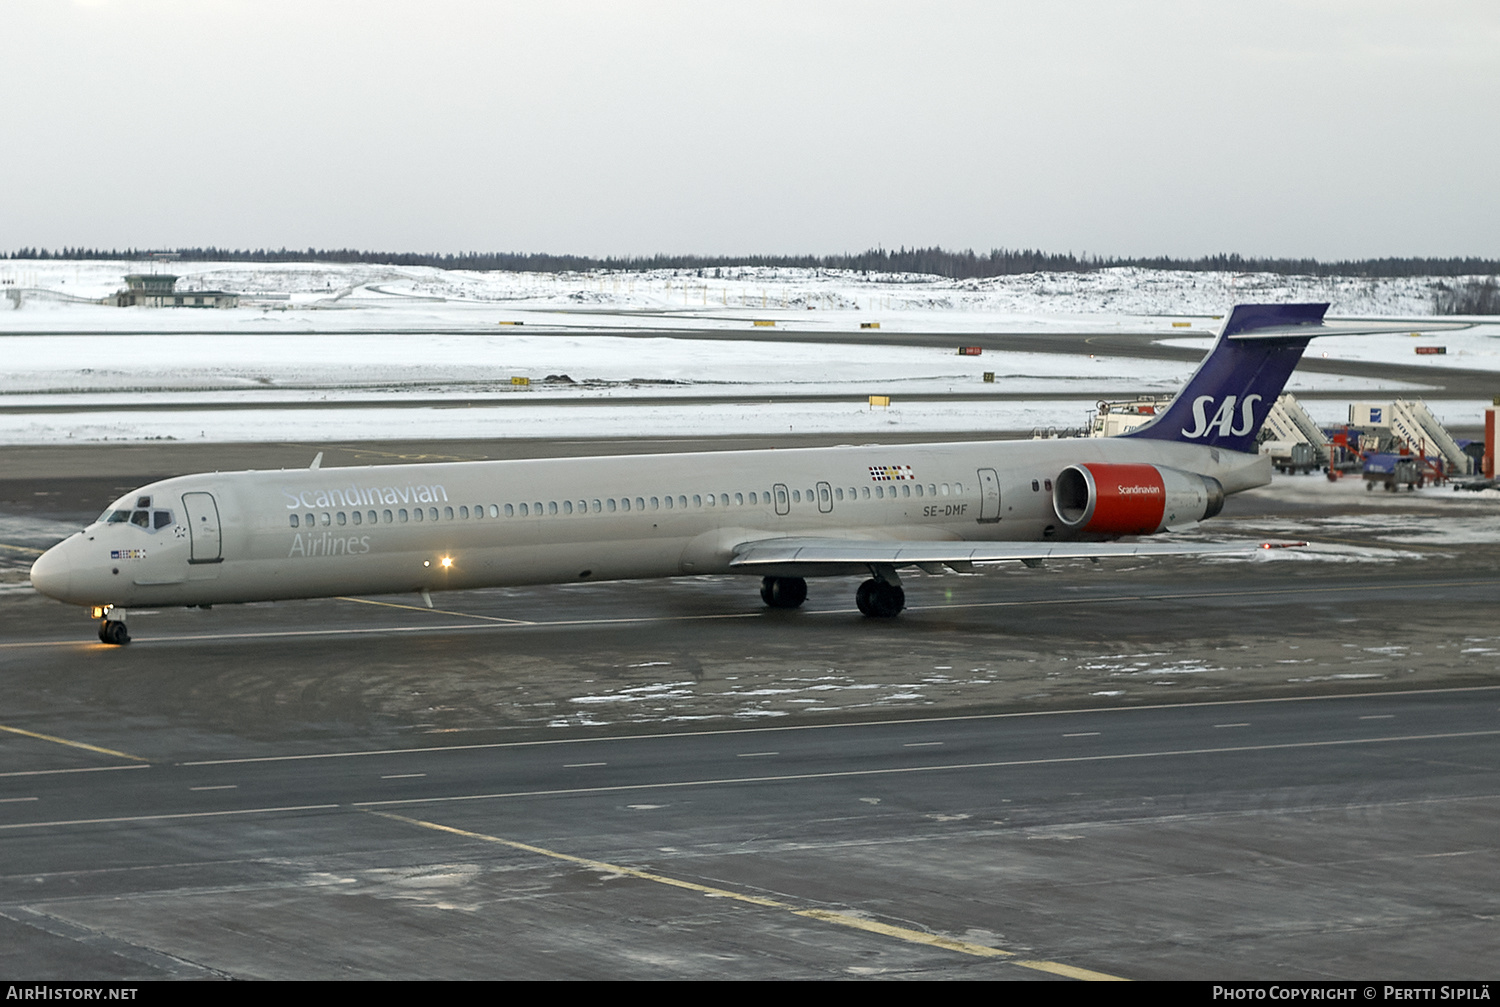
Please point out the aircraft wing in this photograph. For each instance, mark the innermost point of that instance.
(814, 552)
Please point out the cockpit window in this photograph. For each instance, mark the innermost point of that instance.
(143, 501)
(142, 518)
(114, 516)
(161, 518)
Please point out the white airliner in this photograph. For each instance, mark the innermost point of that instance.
(783, 515)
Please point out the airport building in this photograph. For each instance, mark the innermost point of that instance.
(159, 290)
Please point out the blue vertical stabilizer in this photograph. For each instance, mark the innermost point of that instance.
(1227, 398)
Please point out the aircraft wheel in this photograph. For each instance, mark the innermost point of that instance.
(783, 592)
(114, 633)
(880, 600)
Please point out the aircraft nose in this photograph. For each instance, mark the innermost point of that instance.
(52, 573)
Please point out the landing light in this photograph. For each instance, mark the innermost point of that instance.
(447, 561)
(100, 611)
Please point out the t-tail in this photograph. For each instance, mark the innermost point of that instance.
(1227, 398)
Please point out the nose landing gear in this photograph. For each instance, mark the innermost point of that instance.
(112, 625)
(113, 632)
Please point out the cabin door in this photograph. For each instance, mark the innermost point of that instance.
(203, 527)
(989, 496)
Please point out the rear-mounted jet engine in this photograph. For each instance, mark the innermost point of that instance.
(1102, 499)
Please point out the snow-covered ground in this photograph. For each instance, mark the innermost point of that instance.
(338, 297)
(377, 336)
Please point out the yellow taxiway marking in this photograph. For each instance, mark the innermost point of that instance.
(823, 915)
(73, 744)
(438, 611)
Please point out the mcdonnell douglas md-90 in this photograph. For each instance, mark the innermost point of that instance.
(782, 515)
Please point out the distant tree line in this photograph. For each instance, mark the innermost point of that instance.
(963, 265)
(1476, 297)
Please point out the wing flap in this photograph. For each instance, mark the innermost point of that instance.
(824, 552)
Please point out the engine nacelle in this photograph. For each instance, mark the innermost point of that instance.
(1104, 499)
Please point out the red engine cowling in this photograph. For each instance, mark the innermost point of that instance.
(1104, 499)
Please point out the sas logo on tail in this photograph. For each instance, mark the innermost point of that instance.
(1222, 424)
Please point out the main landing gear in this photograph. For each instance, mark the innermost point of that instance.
(879, 599)
(783, 592)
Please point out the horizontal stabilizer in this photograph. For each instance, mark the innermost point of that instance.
(1346, 328)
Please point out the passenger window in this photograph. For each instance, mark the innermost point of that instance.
(752, 497)
(958, 489)
(697, 500)
(655, 503)
(682, 501)
(625, 503)
(310, 519)
(551, 506)
(161, 518)
(432, 513)
(879, 492)
(375, 520)
(919, 489)
(669, 503)
(640, 504)
(494, 510)
(463, 513)
(598, 506)
(342, 518)
(796, 496)
(1035, 486)
(327, 519)
(401, 515)
(357, 517)
(610, 504)
(724, 499)
(510, 510)
(943, 489)
(838, 492)
(141, 517)
(448, 513)
(416, 514)
(524, 510)
(295, 522)
(710, 499)
(567, 506)
(906, 489)
(387, 516)
(739, 499)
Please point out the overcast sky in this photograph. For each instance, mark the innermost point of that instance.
(1333, 129)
